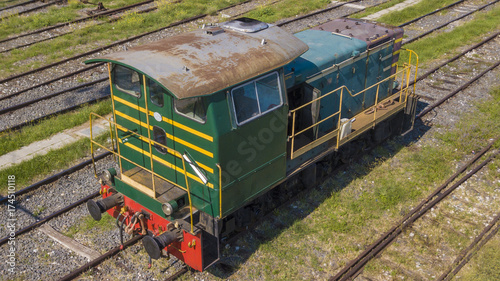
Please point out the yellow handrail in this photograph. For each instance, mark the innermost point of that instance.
(405, 73)
(149, 138)
(114, 117)
(151, 142)
(220, 190)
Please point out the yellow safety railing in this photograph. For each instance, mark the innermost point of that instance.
(404, 72)
(151, 143)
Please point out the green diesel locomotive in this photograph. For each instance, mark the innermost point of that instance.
(211, 127)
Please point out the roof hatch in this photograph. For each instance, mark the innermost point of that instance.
(246, 25)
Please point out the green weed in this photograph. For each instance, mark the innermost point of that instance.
(372, 10)
(106, 223)
(285, 9)
(49, 127)
(39, 210)
(421, 8)
(98, 35)
(444, 44)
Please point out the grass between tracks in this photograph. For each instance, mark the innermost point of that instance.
(11, 3)
(40, 166)
(106, 223)
(331, 225)
(485, 265)
(92, 37)
(17, 24)
(49, 127)
(446, 44)
(421, 8)
(285, 9)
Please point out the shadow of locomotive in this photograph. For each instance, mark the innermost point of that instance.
(234, 254)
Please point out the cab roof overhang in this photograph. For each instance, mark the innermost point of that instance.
(198, 63)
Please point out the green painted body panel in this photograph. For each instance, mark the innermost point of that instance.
(376, 63)
(252, 155)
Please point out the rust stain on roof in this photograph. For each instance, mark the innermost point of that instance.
(197, 64)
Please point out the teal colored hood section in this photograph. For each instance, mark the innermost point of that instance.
(325, 49)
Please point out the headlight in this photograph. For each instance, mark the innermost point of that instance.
(169, 208)
(108, 175)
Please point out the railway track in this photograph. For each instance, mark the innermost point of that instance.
(75, 273)
(102, 93)
(64, 211)
(441, 26)
(5, 10)
(17, 5)
(464, 257)
(29, 192)
(353, 268)
(61, 29)
(12, 105)
(438, 68)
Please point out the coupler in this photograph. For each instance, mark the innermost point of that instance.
(96, 208)
(154, 245)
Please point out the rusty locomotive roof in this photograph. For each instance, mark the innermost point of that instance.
(208, 60)
(371, 32)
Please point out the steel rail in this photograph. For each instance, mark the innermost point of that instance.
(49, 217)
(57, 176)
(64, 110)
(431, 13)
(99, 64)
(6, 110)
(465, 255)
(105, 13)
(354, 266)
(75, 273)
(62, 34)
(17, 5)
(51, 81)
(30, 10)
(464, 86)
(100, 49)
(178, 274)
(425, 75)
(317, 12)
(447, 23)
(24, 104)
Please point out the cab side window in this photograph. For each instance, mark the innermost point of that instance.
(127, 80)
(193, 108)
(255, 98)
(156, 93)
